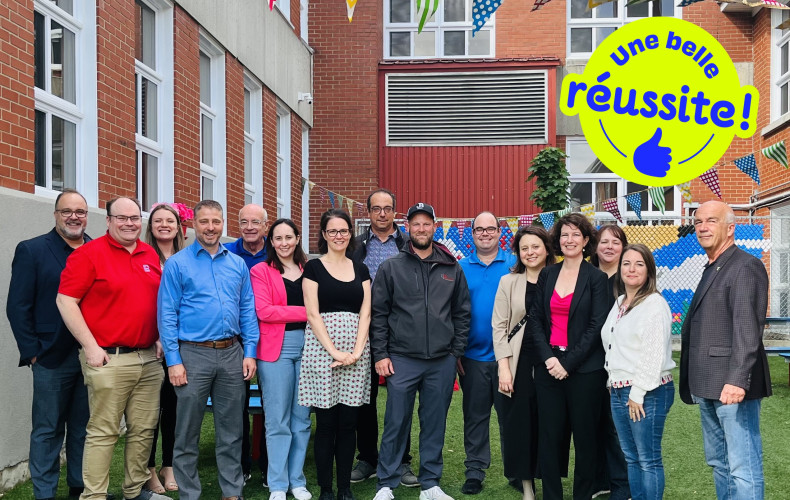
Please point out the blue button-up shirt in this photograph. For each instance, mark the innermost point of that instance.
(205, 297)
(378, 251)
(251, 260)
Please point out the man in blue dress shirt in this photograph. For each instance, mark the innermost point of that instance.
(205, 303)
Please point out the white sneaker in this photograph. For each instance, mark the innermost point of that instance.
(434, 493)
(277, 495)
(384, 494)
(299, 493)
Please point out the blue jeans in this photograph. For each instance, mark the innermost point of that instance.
(60, 406)
(287, 423)
(641, 440)
(733, 447)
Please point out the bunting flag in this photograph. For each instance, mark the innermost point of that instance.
(350, 204)
(310, 186)
(525, 220)
(340, 199)
(685, 190)
(301, 189)
(588, 211)
(657, 195)
(323, 196)
(332, 198)
(711, 179)
(481, 11)
(446, 225)
(350, 4)
(563, 212)
(771, 4)
(539, 4)
(686, 3)
(271, 4)
(591, 4)
(610, 206)
(360, 208)
(461, 225)
(635, 202)
(748, 166)
(784, 25)
(425, 10)
(635, 2)
(512, 223)
(547, 218)
(776, 152)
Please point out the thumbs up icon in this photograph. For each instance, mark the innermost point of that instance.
(652, 159)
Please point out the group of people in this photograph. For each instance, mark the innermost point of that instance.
(578, 349)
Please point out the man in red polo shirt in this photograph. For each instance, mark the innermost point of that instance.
(107, 298)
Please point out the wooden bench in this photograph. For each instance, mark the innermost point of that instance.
(256, 401)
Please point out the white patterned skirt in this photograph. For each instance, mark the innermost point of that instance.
(324, 387)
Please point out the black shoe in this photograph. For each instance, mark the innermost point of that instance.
(326, 495)
(76, 491)
(472, 487)
(516, 484)
(345, 494)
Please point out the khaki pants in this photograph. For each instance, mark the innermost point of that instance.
(128, 385)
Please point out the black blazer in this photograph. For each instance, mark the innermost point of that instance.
(587, 315)
(31, 310)
(722, 335)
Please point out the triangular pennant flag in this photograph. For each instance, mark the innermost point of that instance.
(588, 211)
(350, 204)
(425, 10)
(657, 195)
(547, 218)
(461, 225)
(776, 152)
(310, 185)
(563, 212)
(350, 4)
(271, 4)
(685, 191)
(610, 206)
(446, 225)
(635, 202)
(748, 166)
(340, 199)
(332, 198)
(686, 3)
(323, 196)
(360, 208)
(525, 220)
(771, 4)
(301, 189)
(481, 11)
(591, 4)
(539, 4)
(711, 179)
(512, 223)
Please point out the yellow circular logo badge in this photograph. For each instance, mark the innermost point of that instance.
(659, 101)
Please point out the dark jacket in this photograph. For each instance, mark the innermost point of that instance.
(35, 320)
(420, 308)
(587, 315)
(361, 243)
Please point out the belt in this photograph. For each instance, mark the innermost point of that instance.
(560, 348)
(214, 344)
(123, 350)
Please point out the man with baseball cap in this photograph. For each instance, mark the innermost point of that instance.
(419, 326)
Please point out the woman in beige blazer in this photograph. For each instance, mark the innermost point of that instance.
(518, 411)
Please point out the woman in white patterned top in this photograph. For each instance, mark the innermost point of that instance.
(637, 341)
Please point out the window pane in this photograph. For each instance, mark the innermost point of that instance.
(606, 11)
(400, 44)
(425, 44)
(64, 154)
(480, 44)
(145, 34)
(206, 188)
(601, 34)
(400, 11)
(783, 93)
(205, 79)
(454, 43)
(783, 58)
(247, 199)
(581, 40)
(66, 5)
(454, 11)
(149, 180)
(633, 188)
(148, 114)
(279, 178)
(664, 8)
(41, 149)
(637, 10)
(206, 141)
(581, 193)
(247, 110)
(40, 71)
(247, 162)
(785, 17)
(669, 198)
(63, 82)
(579, 9)
(605, 190)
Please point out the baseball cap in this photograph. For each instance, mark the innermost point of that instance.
(421, 207)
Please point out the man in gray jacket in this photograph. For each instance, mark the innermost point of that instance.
(419, 327)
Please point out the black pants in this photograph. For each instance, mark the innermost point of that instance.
(334, 442)
(368, 427)
(576, 400)
(167, 424)
(246, 453)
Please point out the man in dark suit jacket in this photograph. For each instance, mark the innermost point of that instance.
(723, 366)
(60, 398)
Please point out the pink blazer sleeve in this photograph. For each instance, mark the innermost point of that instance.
(270, 297)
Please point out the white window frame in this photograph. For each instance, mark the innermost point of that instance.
(162, 147)
(254, 138)
(304, 11)
(283, 161)
(306, 189)
(83, 113)
(608, 22)
(217, 113)
(779, 38)
(438, 26)
(284, 6)
(622, 191)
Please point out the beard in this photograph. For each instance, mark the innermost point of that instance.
(420, 245)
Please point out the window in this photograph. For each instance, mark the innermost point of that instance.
(64, 52)
(588, 28)
(253, 141)
(780, 262)
(592, 182)
(212, 121)
(447, 34)
(283, 161)
(284, 7)
(154, 101)
(304, 8)
(780, 69)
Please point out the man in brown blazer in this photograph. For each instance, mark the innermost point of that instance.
(723, 366)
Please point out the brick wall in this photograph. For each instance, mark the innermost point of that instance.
(186, 132)
(523, 33)
(270, 153)
(234, 126)
(296, 169)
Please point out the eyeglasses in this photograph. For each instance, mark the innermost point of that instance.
(67, 212)
(489, 230)
(333, 233)
(123, 219)
(254, 222)
(378, 210)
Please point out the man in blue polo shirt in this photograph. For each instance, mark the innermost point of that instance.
(478, 367)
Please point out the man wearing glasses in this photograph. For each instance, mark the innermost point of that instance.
(478, 368)
(382, 240)
(107, 297)
(60, 399)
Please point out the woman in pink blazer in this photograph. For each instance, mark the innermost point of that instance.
(277, 284)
